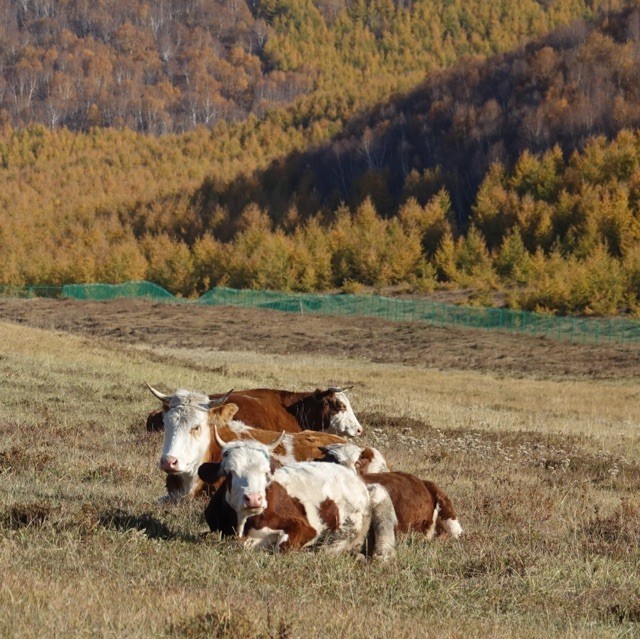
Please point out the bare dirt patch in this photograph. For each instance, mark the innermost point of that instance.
(376, 340)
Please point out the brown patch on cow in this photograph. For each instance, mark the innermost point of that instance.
(265, 408)
(330, 515)
(284, 513)
(366, 457)
(447, 511)
(412, 500)
(308, 444)
(274, 464)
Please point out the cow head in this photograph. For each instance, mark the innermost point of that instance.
(246, 467)
(187, 434)
(360, 460)
(337, 415)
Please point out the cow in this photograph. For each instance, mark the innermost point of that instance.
(298, 506)
(420, 505)
(188, 419)
(275, 410)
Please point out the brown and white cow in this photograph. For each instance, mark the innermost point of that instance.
(420, 505)
(297, 506)
(188, 420)
(276, 410)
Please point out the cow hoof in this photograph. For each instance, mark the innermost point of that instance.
(281, 540)
(384, 556)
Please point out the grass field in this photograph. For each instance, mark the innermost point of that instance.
(545, 475)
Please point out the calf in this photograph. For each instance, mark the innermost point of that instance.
(276, 410)
(188, 419)
(419, 505)
(297, 506)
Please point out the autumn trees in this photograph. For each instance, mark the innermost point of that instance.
(303, 146)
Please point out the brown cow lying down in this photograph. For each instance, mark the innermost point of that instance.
(188, 442)
(277, 410)
(419, 505)
(296, 506)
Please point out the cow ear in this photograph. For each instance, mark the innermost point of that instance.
(364, 460)
(209, 472)
(228, 411)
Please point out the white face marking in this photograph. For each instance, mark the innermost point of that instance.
(344, 422)
(248, 465)
(186, 431)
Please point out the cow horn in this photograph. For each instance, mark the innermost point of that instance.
(219, 440)
(220, 400)
(161, 396)
(339, 389)
(276, 442)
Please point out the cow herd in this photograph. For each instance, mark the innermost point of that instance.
(278, 491)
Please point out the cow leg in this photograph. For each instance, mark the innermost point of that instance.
(265, 538)
(383, 522)
(298, 533)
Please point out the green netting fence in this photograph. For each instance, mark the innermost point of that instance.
(574, 329)
(102, 292)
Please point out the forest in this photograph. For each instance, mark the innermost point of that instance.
(336, 145)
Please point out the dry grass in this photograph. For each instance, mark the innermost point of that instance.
(545, 476)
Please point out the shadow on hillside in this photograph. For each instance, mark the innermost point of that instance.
(152, 527)
(454, 125)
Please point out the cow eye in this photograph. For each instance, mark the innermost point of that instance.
(195, 429)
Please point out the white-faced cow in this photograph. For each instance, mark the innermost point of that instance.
(277, 410)
(296, 506)
(188, 442)
(420, 505)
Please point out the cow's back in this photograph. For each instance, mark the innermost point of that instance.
(335, 500)
(264, 408)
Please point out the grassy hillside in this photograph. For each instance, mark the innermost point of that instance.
(544, 475)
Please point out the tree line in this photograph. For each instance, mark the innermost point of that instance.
(511, 175)
(168, 66)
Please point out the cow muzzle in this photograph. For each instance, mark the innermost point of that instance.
(169, 464)
(253, 501)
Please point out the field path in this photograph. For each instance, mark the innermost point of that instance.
(376, 340)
